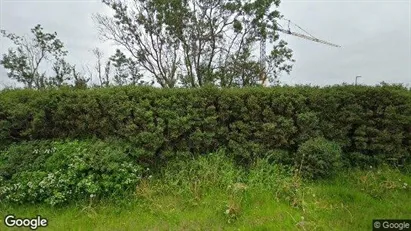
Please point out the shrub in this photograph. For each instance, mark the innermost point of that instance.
(247, 121)
(71, 170)
(360, 160)
(318, 158)
(282, 157)
(26, 156)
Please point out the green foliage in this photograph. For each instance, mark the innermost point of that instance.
(62, 71)
(318, 158)
(335, 204)
(264, 175)
(379, 182)
(164, 40)
(217, 173)
(282, 157)
(27, 156)
(61, 172)
(198, 175)
(374, 122)
(363, 161)
(125, 70)
(23, 63)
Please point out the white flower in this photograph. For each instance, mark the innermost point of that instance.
(30, 184)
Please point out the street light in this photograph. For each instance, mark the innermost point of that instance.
(356, 77)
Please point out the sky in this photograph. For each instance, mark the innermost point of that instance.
(375, 36)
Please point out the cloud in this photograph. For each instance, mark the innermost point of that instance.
(72, 20)
(374, 35)
(375, 39)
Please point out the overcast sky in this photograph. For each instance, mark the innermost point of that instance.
(375, 36)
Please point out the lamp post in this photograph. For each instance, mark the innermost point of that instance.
(356, 77)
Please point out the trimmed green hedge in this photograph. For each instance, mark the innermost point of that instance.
(373, 121)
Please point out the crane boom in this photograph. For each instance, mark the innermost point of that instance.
(307, 37)
(263, 74)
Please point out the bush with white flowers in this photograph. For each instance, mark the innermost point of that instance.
(71, 171)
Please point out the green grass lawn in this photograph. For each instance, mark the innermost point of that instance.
(349, 201)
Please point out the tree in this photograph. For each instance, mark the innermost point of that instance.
(107, 71)
(117, 69)
(125, 70)
(197, 42)
(279, 61)
(120, 63)
(80, 81)
(62, 72)
(135, 75)
(99, 65)
(23, 62)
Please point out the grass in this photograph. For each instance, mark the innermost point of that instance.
(211, 193)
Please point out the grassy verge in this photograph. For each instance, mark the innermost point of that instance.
(212, 193)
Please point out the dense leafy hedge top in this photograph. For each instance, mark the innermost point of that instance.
(370, 120)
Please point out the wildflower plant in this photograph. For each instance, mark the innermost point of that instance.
(73, 170)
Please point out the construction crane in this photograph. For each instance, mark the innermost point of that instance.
(263, 76)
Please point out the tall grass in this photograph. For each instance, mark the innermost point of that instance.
(213, 193)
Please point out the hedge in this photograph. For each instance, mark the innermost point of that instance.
(373, 121)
